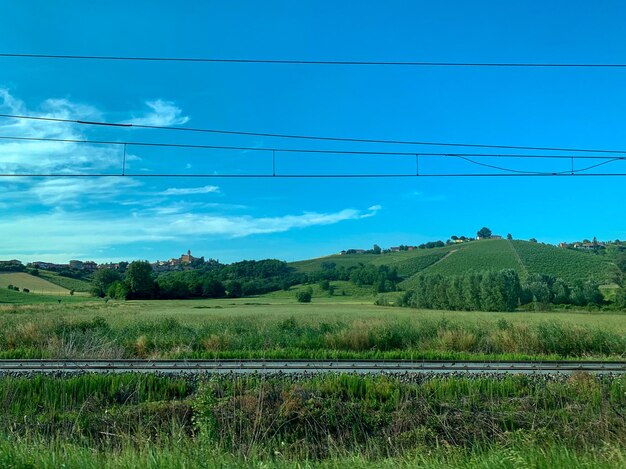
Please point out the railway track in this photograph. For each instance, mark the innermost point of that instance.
(307, 366)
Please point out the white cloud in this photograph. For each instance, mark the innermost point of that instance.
(191, 190)
(48, 235)
(77, 190)
(21, 156)
(164, 113)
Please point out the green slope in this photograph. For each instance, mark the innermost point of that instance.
(34, 284)
(564, 263)
(492, 254)
(404, 260)
(65, 282)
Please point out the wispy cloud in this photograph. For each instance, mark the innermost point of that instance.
(163, 113)
(50, 157)
(85, 233)
(191, 190)
(421, 196)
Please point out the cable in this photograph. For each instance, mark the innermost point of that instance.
(309, 137)
(301, 150)
(306, 176)
(316, 62)
(464, 157)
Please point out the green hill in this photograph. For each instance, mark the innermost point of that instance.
(65, 282)
(403, 260)
(493, 254)
(33, 283)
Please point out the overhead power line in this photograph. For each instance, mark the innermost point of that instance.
(312, 137)
(305, 176)
(468, 157)
(316, 62)
(302, 150)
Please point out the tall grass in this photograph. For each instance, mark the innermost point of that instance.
(326, 421)
(28, 337)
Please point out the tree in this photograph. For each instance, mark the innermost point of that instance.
(118, 290)
(620, 298)
(376, 249)
(234, 289)
(484, 232)
(532, 240)
(620, 262)
(324, 285)
(139, 280)
(212, 288)
(509, 236)
(303, 296)
(102, 279)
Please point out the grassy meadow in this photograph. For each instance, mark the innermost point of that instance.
(325, 421)
(274, 327)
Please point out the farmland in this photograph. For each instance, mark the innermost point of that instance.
(65, 282)
(566, 264)
(31, 282)
(522, 256)
(282, 328)
(271, 420)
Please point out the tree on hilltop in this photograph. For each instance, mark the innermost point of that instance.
(484, 232)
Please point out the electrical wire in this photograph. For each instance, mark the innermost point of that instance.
(310, 137)
(316, 62)
(297, 150)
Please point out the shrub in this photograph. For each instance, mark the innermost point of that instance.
(304, 296)
(26, 290)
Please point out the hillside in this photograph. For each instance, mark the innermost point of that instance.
(522, 256)
(65, 282)
(34, 284)
(404, 260)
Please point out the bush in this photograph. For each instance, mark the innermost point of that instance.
(25, 290)
(304, 296)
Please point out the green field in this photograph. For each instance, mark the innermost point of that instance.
(564, 263)
(522, 256)
(68, 283)
(282, 328)
(344, 291)
(19, 298)
(349, 260)
(33, 283)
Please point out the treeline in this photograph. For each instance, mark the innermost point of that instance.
(496, 291)
(210, 281)
(382, 278)
(235, 280)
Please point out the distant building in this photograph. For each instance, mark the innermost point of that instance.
(187, 258)
(395, 249)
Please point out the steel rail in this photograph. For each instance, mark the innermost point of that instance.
(310, 366)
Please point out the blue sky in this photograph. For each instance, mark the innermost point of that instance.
(233, 219)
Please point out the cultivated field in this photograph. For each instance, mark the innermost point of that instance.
(66, 282)
(34, 284)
